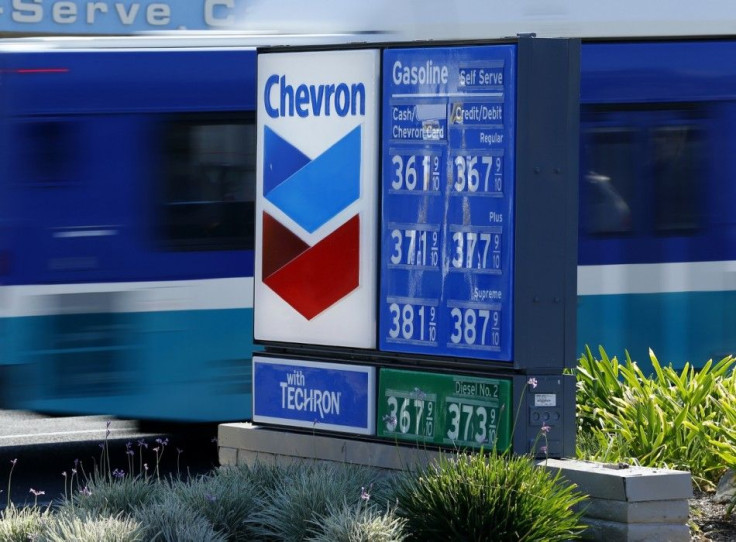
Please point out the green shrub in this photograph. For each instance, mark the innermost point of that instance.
(680, 420)
(487, 497)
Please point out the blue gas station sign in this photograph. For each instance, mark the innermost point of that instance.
(447, 235)
(314, 394)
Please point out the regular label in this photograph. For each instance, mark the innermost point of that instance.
(447, 232)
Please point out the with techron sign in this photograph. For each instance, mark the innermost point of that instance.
(118, 17)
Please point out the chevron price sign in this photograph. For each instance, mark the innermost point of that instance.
(316, 210)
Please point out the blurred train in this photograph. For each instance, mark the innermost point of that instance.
(126, 203)
(127, 186)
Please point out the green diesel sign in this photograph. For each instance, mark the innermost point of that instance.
(454, 410)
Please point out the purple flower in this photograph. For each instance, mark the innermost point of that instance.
(142, 443)
(365, 494)
(64, 474)
(532, 382)
(118, 473)
(210, 497)
(543, 449)
(545, 429)
(37, 493)
(85, 491)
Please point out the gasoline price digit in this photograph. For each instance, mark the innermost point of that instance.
(468, 422)
(413, 322)
(478, 174)
(410, 415)
(415, 172)
(475, 327)
(476, 250)
(414, 247)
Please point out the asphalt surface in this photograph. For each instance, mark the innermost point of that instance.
(39, 453)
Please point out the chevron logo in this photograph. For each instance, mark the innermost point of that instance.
(311, 192)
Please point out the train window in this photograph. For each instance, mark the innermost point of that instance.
(48, 151)
(210, 182)
(608, 181)
(676, 153)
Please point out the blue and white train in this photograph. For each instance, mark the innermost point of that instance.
(126, 232)
(127, 186)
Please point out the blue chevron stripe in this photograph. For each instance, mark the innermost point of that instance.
(323, 187)
(281, 160)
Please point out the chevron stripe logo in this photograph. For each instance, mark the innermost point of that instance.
(311, 192)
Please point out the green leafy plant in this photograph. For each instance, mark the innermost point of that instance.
(487, 497)
(680, 420)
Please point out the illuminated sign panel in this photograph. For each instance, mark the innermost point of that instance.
(447, 229)
(317, 198)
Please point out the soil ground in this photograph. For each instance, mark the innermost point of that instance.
(709, 521)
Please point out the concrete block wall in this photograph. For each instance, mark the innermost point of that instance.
(631, 504)
(245, 443)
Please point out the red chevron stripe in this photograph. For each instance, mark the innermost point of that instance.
(280, 245)
(321, 275)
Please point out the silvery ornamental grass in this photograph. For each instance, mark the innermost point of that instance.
(88, 527)
(22, 524)
(363, 522)
(289, 510)
(171, 520)
(111, 496)
(227, 499)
